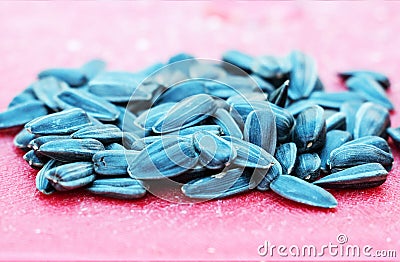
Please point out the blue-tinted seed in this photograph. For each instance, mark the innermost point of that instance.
(36, 143)
(299, 106)
(113, 162)
(264, 85)
(334, 100)
(376, 141)
(47, 88)
(126, 120)
(121, 188)
(371, 120)
(350, 110)
(182, 90)
(69, 150)
(336, 121)
(21, 114)
(180, 57)
(23, 138)
(148, 118)
(260, 129)
(105, 134)
(280, 95)
(71, 176)
(271, 66)
(370, 89)
(308, 166)
(303, 75)
(394, 133)
(114, 146)
(334, 139)
(229, 126)
(273, 173)
(221, 185)
(93, 105)
(286, 155)
(214, 152)
(42, 183)
(238, 59)
(362, 176)
(73, 77)
(27, 95)
(298, 190)
(62, 123)
(35, 159)
(382, 79)
(167, 157)
(214, 129)
(93, 67)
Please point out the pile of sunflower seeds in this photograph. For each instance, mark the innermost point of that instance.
(217, 128)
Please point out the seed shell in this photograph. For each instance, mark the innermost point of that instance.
(105, 133)
(308, 166)
(113, 162)
(371, 120)
(394, 133)
(23, 138)
(121, 188)
(286, 155)
(71, 176)
(229, 126)
(42, 183)
(334, 139)
(73, 77)
(21, 114)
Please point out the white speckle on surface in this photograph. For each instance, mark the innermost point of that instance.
(142, 44)
(388, 239)
(38, 231)
(184, 212)
(214, 22)
(73, 45)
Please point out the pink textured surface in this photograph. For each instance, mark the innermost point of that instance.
(38, 35)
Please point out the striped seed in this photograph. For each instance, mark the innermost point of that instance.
(73, 77)
(308, 167)
(105, 133)
(71, 176)
(36, 143)
(42, 183)
(371, 120)
(35, 159)
(47, 88)
(121, 188)
(334, 139)
(23, 138)
(113, 162)
(286, 155)
(21, 114)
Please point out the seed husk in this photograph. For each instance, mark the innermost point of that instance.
(308, 166)
(260, 129)
(121, 188)
(362, 176)
(303, 76)
(42, 183)
(394, 133)
(21, 114)
(61, 123)
(23, 138)
(71, 176)
(93, 67)
(238, 59)
(376, 141)
(334, 100)
(262, 178)
(357, 154)
(382, 79)
(310, 130)
(186, 113)
(105, 133)
(47, 88)
(166, 157)
(27, 95)
(114, 146)
(334, 139)
(227, 183)
(370, 89)
(69, 150)
(300, 191)
(286, 155)
(113, 162)
(72, 76)
(350, 110)
(93, 105)
(271, 66)
(36, 143)
(279, 96)
(228, 125)
(214, 152)
(336, 121)
(371, 120)
(182, 90)
(35, 159)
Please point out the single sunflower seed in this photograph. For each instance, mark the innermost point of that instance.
(308, 166)
(72, 76)
(334, 139)
(36, 143)
(286, 155)
(113, 162)
(23, 138)
(35, 159)
(21, 114)
(105, 134)
(42, 183)
(71, 176)
(382, 79)
(121, 188)
(394, 133)
(371, 120)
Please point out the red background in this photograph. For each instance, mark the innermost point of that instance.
(38, 35)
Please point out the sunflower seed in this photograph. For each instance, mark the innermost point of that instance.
(376, 141)
(214, 129)
(69, 150)
(362, 176)
(357, 154)
(114, 146)
(299, 106)
(182, 90)
(214, 152)
(371, 120)
(286, 155)
(36, 143)
(198, 171)
(128, 139)
(118, 87)
(71, 176)
(27, 95)
(121, 188)
(238, 59)
(113, 162)
(207, 70)
(73, 77)
(180, 57)
(35, 160)
(93, 67)
(310, 130)
(93, 105)
(350, 109)
(303, 75)
(271, 66)
(394, 133)
(250, 155)
(370, 89)
(227, 183)
(42, 184)
(382, 79)
(105, 134)
(62, 123)
(148, 118)
(334, 100)
(46, 88)
(21, 114)
(166, 157)
(280, 95)
(261, 83)
(246, 97)
(23, 138)
(307, 166)
(267, 176)
(126, 120)
(260, 129)
(188, 112)
(334, 139)
(298, 190)
(336, 121)
(229, 126)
